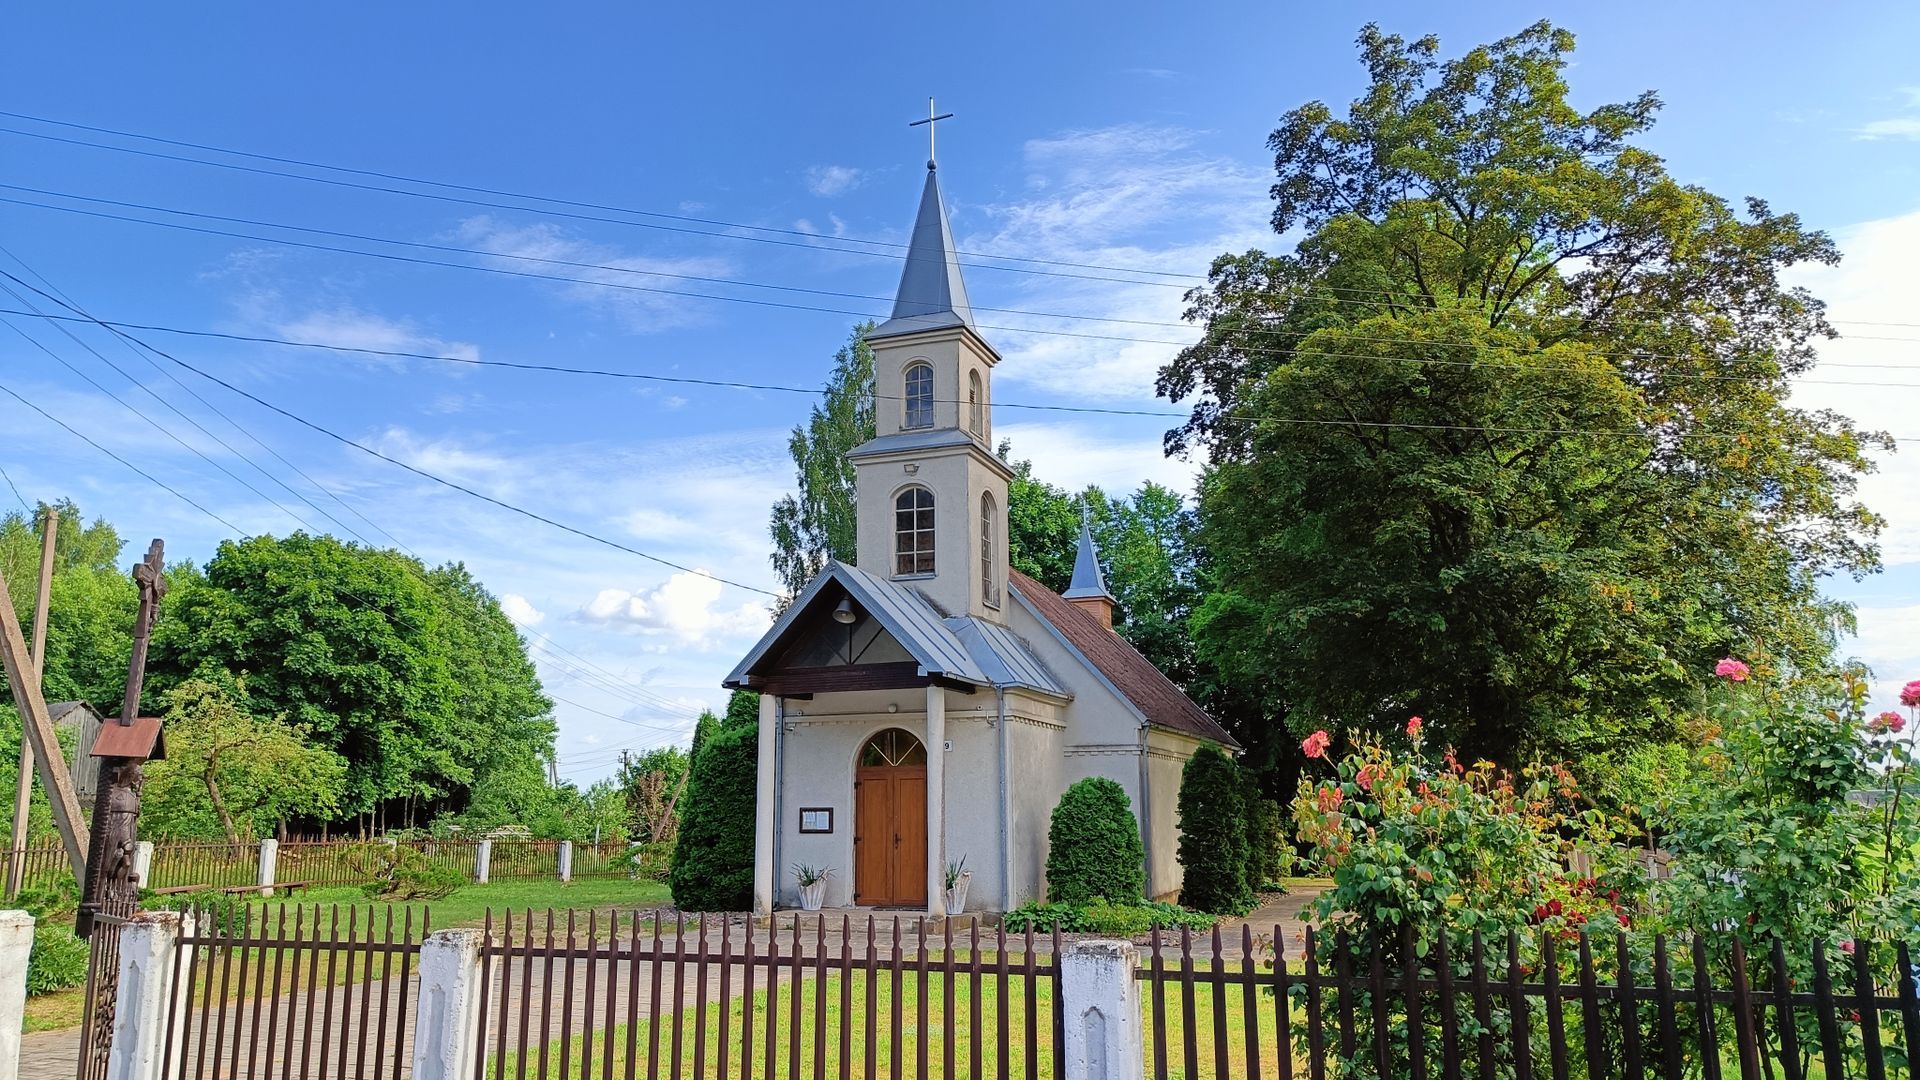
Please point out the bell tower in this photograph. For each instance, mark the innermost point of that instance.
(932, 495)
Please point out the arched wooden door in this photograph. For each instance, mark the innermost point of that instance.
(890, 822)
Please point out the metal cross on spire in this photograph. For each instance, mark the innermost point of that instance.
(932, 121)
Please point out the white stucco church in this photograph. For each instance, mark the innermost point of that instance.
(928, 704)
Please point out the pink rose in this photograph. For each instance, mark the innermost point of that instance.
(1413, 728)
(1731, 670)
(1888, 721)
(1315, 745)
(1910, 694)
(1847, 947)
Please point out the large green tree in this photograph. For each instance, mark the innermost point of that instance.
(817, 523)
(1504, 440)
(414, 676)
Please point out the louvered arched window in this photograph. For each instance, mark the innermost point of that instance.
(976, 408)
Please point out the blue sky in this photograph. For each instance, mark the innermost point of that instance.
(1119, 135)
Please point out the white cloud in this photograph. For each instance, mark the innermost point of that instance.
(1131, 195)
(682, 608)
(521, 610)
(622, 284)
(1895, 127)
(1874, 284)
(348, 327)
(830, 180)
(1072, 456)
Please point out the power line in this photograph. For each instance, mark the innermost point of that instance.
(59, 297)
(1162, 414)
(443, 481)
(149, 477)
(735, 282)
(815, 239)
(16, 491)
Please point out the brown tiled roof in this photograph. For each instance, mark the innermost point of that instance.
(1163, 703)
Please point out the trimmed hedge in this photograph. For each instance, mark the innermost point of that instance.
(1213, 835)
(1104, 918)
(1094, 849)
(712, 864)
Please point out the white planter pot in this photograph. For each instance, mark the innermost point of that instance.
(957, 896)
(812, 896)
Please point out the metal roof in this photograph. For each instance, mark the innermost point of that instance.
(932, 295)
(906, 613)
(1008, 660)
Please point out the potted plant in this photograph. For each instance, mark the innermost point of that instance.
(958, 878)
(813, 885)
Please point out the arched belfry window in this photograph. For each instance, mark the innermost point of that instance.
(913, 531)
(893, 749)
(976, 409)
(989, 587)
(919, 397)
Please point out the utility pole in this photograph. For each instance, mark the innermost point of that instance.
(23, 787)
(24, 682)
(108, 886)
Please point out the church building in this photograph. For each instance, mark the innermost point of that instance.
(927, 705)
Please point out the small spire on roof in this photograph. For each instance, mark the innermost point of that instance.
(1088, 581)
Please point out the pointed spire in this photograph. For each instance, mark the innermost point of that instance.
(932, 294)
(1088, 582)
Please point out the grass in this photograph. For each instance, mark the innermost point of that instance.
(466, 907)
(840, 1004)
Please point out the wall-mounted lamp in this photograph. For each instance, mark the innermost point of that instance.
(843, 612)
(892, 707)
(912, 467)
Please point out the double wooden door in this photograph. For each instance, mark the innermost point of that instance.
(890, 836)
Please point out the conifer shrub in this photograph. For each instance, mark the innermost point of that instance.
(1269, 856)
(712, 864)
(1213, 835)
(1094, 849)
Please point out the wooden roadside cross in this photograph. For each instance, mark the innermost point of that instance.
(121, 746)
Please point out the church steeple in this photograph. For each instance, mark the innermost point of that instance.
(932, 294)
(933, 497)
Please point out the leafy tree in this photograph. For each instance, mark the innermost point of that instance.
(1093, 846)
(712, 866)
(1504, 439)
(1213, 835)
(818, 523)
(414, 676)
(743, 709)
(232, 775)
(1043, 524)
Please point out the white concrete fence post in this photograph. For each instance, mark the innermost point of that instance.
(16, 941)
(482, 861)
(269, 860)
(1101, 999)
(149, 948)
(142, 864)
(566, 861)
(447, 1018)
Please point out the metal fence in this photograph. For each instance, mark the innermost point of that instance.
(293, 990)
(1594, 1006)
(575, 995)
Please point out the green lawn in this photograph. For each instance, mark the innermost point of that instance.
(845, 1009)
(467, 907)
